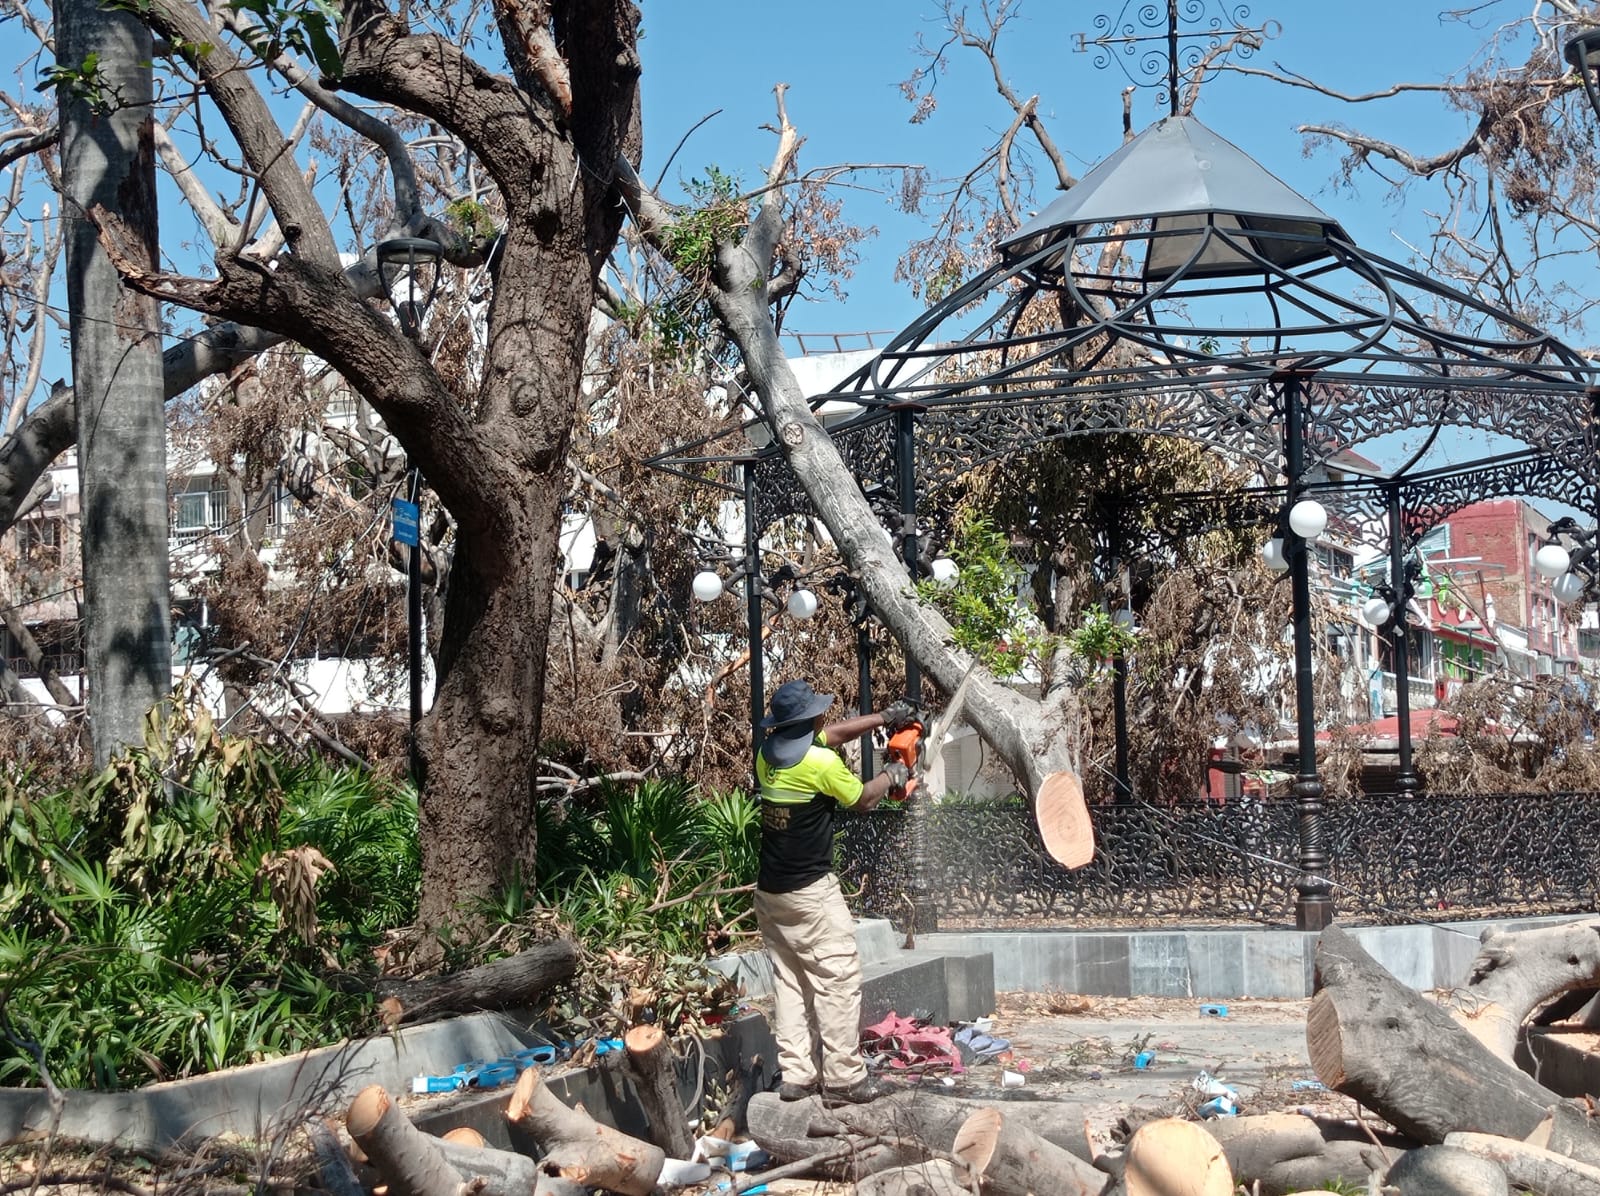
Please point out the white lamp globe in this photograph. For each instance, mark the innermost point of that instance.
(1308, 518)
(1375, 611)
(1567, 588)
(1551, 561)
(945, 572)
(802, 604)
(1273, 556)
(707, 586)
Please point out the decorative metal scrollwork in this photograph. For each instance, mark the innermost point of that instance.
(1126, 40)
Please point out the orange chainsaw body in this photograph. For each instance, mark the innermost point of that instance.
(905, 745)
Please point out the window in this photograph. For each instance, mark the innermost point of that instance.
(202, 508)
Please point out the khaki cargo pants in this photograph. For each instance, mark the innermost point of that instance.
(811, 938)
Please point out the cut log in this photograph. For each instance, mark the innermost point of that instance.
(1065, 828)
(409, 1159)
(464, 1135)
(1516, 971)
(1372, 1038)
(491, 1172)
(655, 1081)
(1175, 1158)
(1531, 1167)
(797, 1131)
(932, 1178)
(1012, 1160)
(1288, 1152)
(579, 1148)
(1568, 1130)
(1447, 1171)
(503, 984)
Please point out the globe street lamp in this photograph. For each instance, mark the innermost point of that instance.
(1583, 53)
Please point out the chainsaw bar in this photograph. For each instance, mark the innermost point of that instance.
(933, 739)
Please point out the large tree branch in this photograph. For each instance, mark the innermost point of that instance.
(228, 83)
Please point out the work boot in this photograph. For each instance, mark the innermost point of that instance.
(788, 1091)
(860, 1093)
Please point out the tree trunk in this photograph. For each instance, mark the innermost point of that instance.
(932, 1178)
(108, 161)
(655, 1080)
(1516, 971)
(1372, 1038)
(502, 984)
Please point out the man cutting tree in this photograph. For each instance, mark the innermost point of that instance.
(800, 910)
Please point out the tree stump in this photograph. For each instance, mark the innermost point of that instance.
(655, 1081)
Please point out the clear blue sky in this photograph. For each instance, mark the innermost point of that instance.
(843, 62)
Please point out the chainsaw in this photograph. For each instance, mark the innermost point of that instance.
(919, 747)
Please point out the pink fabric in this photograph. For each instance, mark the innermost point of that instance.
(898, 1042)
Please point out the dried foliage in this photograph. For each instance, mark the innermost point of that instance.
(1515, 735)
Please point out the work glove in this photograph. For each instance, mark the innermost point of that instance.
(898, 716)
(897, 773)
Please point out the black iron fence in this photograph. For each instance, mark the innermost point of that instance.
(1436, 857)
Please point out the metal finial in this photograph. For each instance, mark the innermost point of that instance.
(1125, 39)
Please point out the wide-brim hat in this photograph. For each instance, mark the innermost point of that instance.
(790, 723)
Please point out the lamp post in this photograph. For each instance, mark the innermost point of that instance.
(408, 268)
(1307, 518)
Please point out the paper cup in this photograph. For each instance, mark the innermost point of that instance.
(1012, 1079)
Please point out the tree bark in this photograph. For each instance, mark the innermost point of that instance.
(655, 1080)
(1014, 1161)
(492, 1172)
(1516, 971)
(1446, 1171)
(935, 1177)
(503, 984)
(1373, 1039)
(1289, 1152)
(579, 1148)
(409, 1159)
(1531, 1167)
(1568, 1130)
(108, 163)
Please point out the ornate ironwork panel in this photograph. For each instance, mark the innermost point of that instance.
(1430, 858)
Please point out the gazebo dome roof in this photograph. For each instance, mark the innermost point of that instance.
(1191, 185)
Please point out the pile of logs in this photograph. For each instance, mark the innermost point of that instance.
(1452, 1113)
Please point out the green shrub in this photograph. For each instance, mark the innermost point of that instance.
(192, 907)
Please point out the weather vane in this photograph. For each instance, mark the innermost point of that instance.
(1124, 39)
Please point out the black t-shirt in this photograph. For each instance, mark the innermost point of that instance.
(798, 805)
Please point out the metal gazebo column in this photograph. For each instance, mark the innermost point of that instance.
(752, 599)
(1314, 903)
(1406, 781)
(924, 917)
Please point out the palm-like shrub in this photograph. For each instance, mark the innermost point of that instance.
(194, 906)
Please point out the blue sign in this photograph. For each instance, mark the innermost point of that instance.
(404, 516)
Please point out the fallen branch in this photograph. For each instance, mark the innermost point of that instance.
(577, 1147)
(412, 1161)
(1531, 1167)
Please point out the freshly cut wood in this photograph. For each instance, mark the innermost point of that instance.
(1568, 1130)
(1531, 1167)
(1063, 818)
(1446, 1171)
(409, 1159)
(1516, 971)
(1372, 1038)
(464, 1135)
(505, 983)
(1012, 1160)
(932, 1178)
(491, 1172)
(655, 1081)
(1289, 1152)
(1170, 1157)
(579, 1148)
